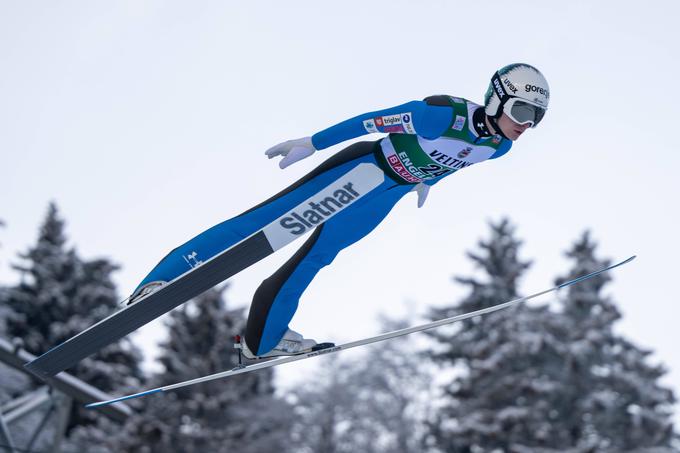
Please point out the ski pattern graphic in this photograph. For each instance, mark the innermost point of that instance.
(354, 344)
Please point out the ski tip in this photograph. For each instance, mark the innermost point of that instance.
(627, 260)
(593, 274)
(122, 398)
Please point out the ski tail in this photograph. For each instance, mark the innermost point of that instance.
(125, 321)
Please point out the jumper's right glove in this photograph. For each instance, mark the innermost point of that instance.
(422, 189)
(292, 151)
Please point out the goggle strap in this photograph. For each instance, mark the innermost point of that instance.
(499, 89)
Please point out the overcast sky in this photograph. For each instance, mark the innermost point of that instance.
(146, 121)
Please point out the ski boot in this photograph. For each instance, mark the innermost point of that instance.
(145, 290)
(292, 343)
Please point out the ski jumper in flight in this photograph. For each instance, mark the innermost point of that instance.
(427, 141)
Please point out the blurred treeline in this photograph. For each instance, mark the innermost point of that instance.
(550, 377)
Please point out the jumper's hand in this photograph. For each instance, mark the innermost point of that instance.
(292, 151)
(422, 189)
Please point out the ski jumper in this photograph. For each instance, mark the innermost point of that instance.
(427, 140)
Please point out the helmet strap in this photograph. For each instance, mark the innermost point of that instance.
(479, 118)
(499, 89)
(497, 128)
(479, 122)
(503, 97)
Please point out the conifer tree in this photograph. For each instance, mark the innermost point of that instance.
(495, 400)
(240, 413)
(13, 383)
(533, 378)
(60, 295)
(374, 404)
(616, 400)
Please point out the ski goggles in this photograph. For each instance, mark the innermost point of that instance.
(522, 112)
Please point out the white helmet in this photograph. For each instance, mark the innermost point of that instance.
(520, 91)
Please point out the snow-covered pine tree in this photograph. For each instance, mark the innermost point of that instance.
(532, 379)
(376, 403)
(240, 413)
(616, 402)
(12, 382)
(58, 296)
(506, 364)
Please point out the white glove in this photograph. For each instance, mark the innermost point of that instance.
(292, 151)
(422, 189)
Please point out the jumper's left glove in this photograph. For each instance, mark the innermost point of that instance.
(292, 151)
(422, 189)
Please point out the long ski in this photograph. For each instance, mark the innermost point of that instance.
(354, 184)
(354, 344)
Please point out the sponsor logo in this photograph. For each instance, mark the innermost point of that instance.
(499, 88)
(464, 153)
(397, 129)
(449, 161)
(458, 100)
(391, 120)
(408, 123)
(400, 169)
(444, 151)
(323, 204)
(299, 221)
(510, 85)
(410, 167)
(192, 259)
(536, 89)
(323, 351)
(379, 121)
(459, 123)
(369, 125)
(496, 139)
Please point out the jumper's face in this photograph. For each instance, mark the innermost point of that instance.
(511, 129)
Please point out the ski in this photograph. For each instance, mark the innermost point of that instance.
(354, 344)
(355, 184)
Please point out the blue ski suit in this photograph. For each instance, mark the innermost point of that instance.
(427, 140)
